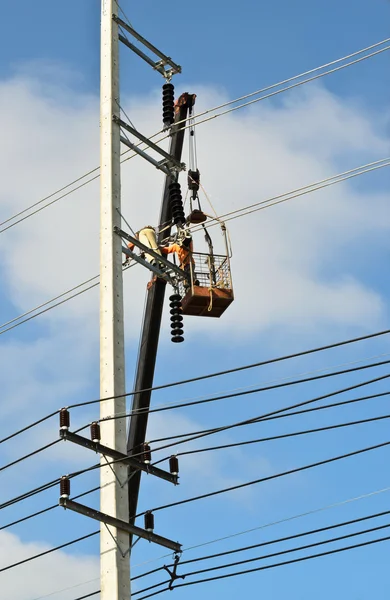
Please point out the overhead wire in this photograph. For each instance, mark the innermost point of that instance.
(242, 368)
(291, 561)
(269, 477)
(231, 215)
(45, 552)
(8, 220)
(217, 374)
(280, 436)
(260, 419)
(265, 388)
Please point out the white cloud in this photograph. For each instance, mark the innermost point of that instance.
(279, 254)
(42, 576)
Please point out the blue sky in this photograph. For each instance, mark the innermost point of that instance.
(307, 272)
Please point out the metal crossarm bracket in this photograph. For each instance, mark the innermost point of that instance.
(170, 266)
(170, 159)
(159, 165)
(158, 65)
(118, 456)
(108, 520)
(148, 265)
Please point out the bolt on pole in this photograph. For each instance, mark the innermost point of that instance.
(114, 543)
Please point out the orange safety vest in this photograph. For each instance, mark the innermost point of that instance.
(183, 254)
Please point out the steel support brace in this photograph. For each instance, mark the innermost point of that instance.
(159, 165)
(122, 525)
(117, 456)
(171, 159)
(164, 60)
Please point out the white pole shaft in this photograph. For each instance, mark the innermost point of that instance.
(114, 567)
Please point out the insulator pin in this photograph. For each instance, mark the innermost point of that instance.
(176, 203)
(176, 319)
(95, 432)
(168, 93)
(174, 465)
(64, 487)
(149, 521)
(146, 455)
(64, 419)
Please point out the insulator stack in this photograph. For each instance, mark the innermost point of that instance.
(174, 465)
(176, 203)
(193, 180)
(149, 521)
(176, 318)
(146, 455)
(64, 487)
(168, 104)
(95, 432)
(64, 419)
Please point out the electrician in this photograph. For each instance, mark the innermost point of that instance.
(184, 249)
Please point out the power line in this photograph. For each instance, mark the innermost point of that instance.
(203, 121)
(270, 87)
(45, 510)
(245, 367)
(218, 374)
(288, 538)
(30, 558)
(274, 541)
(290, 550)
(269, 477)
(25, 456)
(285, 89)
(275, 412)
(283, 436)
(308, 189)
(48, 302)
(257, 390)
(263, 204)
(292, 561)
(260, 419)
(266, 556)
(50, 484)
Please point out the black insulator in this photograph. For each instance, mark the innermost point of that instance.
(177, 339)
(168, 93)
(95, 432)
(146, 455)
(149, 521)
(176, 203)
(193, 180)
(64, 487)
(174, 465)
(176, 318)
(64, 419)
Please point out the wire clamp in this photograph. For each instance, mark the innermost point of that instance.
(173, 575)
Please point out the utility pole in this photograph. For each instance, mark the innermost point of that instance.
(109, 439)
(114, 543)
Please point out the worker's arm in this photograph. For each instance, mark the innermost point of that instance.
(169, 249)
(130, 246)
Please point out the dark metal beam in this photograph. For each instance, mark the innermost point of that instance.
(117, 456)
(152, 320)
(132, 529)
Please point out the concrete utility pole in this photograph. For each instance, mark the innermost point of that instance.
(114, 543)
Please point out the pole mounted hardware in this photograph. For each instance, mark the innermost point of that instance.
(66, 502)
(170, 271)
(169, 161)
(162, 65)
(118, 456)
